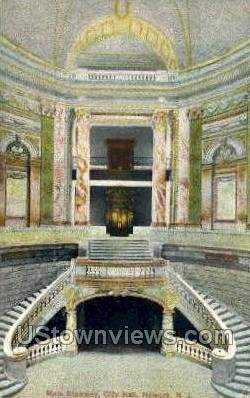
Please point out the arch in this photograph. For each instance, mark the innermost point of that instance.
(236, 145)
(126, 24)
(154, 299)
(12, 138)
(119, 312)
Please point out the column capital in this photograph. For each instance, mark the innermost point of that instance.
(160, 120)
(195, 113)
(169, 300)
(82, 113)
(47, 108)
(59, 110)
(71, 297)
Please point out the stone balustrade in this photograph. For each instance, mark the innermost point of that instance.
(125, 76)
(47, 348)
(223, 357)
(194, 350)
(93, 269)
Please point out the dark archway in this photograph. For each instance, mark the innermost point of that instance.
(53, 328)
(122, 318)
(182, 325)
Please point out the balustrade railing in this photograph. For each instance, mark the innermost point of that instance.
(47, 348)
(223, 356)
(136, 270)
(137, 161)
(124, 76)
(194, 350)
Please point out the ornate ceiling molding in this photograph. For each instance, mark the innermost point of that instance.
(123, 24)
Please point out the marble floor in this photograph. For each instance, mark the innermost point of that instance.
(111, 375)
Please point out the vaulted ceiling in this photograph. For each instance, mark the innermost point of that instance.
(199, 30)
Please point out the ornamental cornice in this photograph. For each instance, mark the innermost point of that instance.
(189, 85)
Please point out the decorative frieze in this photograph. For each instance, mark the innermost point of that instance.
(234, 122)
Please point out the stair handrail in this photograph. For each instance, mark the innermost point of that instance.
(176, 280)
(35, 309)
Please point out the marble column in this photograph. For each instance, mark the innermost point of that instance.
(182, 193)
(71, 328)
(60, 166)
(159, 169)
(2, 189)
(168, 167)
(35, 165)
(82, 152)
(168, 347)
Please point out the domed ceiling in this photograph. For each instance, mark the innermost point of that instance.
(199, 30)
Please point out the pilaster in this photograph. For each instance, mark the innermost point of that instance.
(47, 164)
(181, 137)
(159, 169)
(35, 165)
(60, 166)
(195, 165)
(82, 154)
(2, 189)
(248, 165)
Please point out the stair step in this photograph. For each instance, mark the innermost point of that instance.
(7, 319)
(242, 334)
(234, 322)
(244, 348)
(242, 364)
(243, 379)
(4, 326)
(19, 309)
(10, 391)
(6, 383)
(240, 328)
(243, 356)
(243, 371)
(238, 387)
(13, 314)
(243, 341)
(227, 391)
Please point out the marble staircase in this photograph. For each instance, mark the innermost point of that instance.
(10, 387)
(239, 387)
(119, 249)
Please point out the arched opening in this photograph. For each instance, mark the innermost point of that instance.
(119, 324)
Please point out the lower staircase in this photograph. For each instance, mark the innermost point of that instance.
(239, 387)
(119, 249)
(10, 387)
